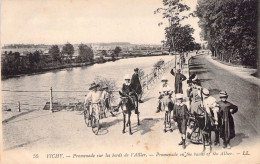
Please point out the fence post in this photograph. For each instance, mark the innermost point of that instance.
(147, 81)
(51, 109)
(19, 106)
(158, 72)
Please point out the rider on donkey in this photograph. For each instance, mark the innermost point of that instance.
(180, 117)
(128, 90)
(227, 128)
(164, 90)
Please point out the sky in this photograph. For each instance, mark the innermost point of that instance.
(84, 21)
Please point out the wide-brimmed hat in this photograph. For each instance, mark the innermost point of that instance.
(136, 69)
(195, 78)
(93, 85)
(127, 76)
(223, 94)
(105, 87)
(164, 78)
(178, 96)
(205, 91)
(189, 81)
(192, 76)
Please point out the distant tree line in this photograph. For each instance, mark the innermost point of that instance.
(230, 28)
(17, 46)
(14, 63)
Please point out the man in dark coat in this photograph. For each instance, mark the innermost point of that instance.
(180, 116)
(227, 127)
(179, 77)
(136, 85)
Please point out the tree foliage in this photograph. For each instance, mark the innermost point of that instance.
(85, 53)
(55, 52)
(68, 50)
(104, 52)
(117, 50)
(230, 28)
(107, 82)
(178, 37)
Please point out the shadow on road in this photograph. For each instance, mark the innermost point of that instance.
(18, 115)
(238, 139)
(204, 80)
(22, 145)
(147, 99)
(146, 125)
(106, 125)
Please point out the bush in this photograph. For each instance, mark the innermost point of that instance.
(110, 83)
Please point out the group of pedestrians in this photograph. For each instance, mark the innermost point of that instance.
(200, 102)
(219, 112)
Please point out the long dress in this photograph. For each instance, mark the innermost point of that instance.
(195, 100)
(178, 81)
(94, 97)
(227, 128)
(180, 115)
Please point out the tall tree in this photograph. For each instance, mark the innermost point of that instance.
(104, 52)
(55, 53)
(85, 53)
(68, 50)
(117, 50)
(178, 38)
(172, 11)
(230, 27)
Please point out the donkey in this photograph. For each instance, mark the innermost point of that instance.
(127, 106)
(206, 126)
(167, 106)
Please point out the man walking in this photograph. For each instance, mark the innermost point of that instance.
(179, 77)
(136, 85)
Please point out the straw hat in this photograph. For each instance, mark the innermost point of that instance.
(105, 87)
(205, 91)
(164, 79)
(178, 96)
(93, 85)
(195, 78)
(223, 94)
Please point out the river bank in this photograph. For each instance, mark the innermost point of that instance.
(72, 65)
(59, 67)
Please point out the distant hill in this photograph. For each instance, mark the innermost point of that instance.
(113, 43)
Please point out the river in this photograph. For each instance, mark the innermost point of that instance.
(74, 79)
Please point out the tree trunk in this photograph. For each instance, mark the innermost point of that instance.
(258, 39)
